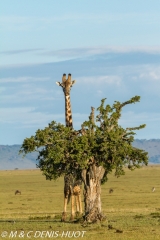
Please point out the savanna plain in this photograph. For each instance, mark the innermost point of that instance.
(132, 209)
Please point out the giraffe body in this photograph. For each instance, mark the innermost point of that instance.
(72, 186)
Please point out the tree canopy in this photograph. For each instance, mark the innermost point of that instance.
(63, 150)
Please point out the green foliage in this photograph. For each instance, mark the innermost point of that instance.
(64, 150)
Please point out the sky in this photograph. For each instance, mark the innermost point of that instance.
(111, 48)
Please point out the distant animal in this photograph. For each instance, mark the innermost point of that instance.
(17, 192)
(153, 189)
(111, 190)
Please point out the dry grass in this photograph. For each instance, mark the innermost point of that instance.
(132, 210)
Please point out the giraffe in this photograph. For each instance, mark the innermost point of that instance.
(72, 188)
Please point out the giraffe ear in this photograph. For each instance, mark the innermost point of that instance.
(58, 83)
(73, 82)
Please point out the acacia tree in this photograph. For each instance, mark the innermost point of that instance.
(90, 153)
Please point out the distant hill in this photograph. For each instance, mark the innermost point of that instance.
(151, 146)
(10, 159)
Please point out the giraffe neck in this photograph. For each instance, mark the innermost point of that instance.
(68, 112)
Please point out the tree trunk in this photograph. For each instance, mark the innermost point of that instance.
(92, 193)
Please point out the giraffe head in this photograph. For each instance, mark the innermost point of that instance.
(66, 84)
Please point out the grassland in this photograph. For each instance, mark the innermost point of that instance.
(132, 210)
